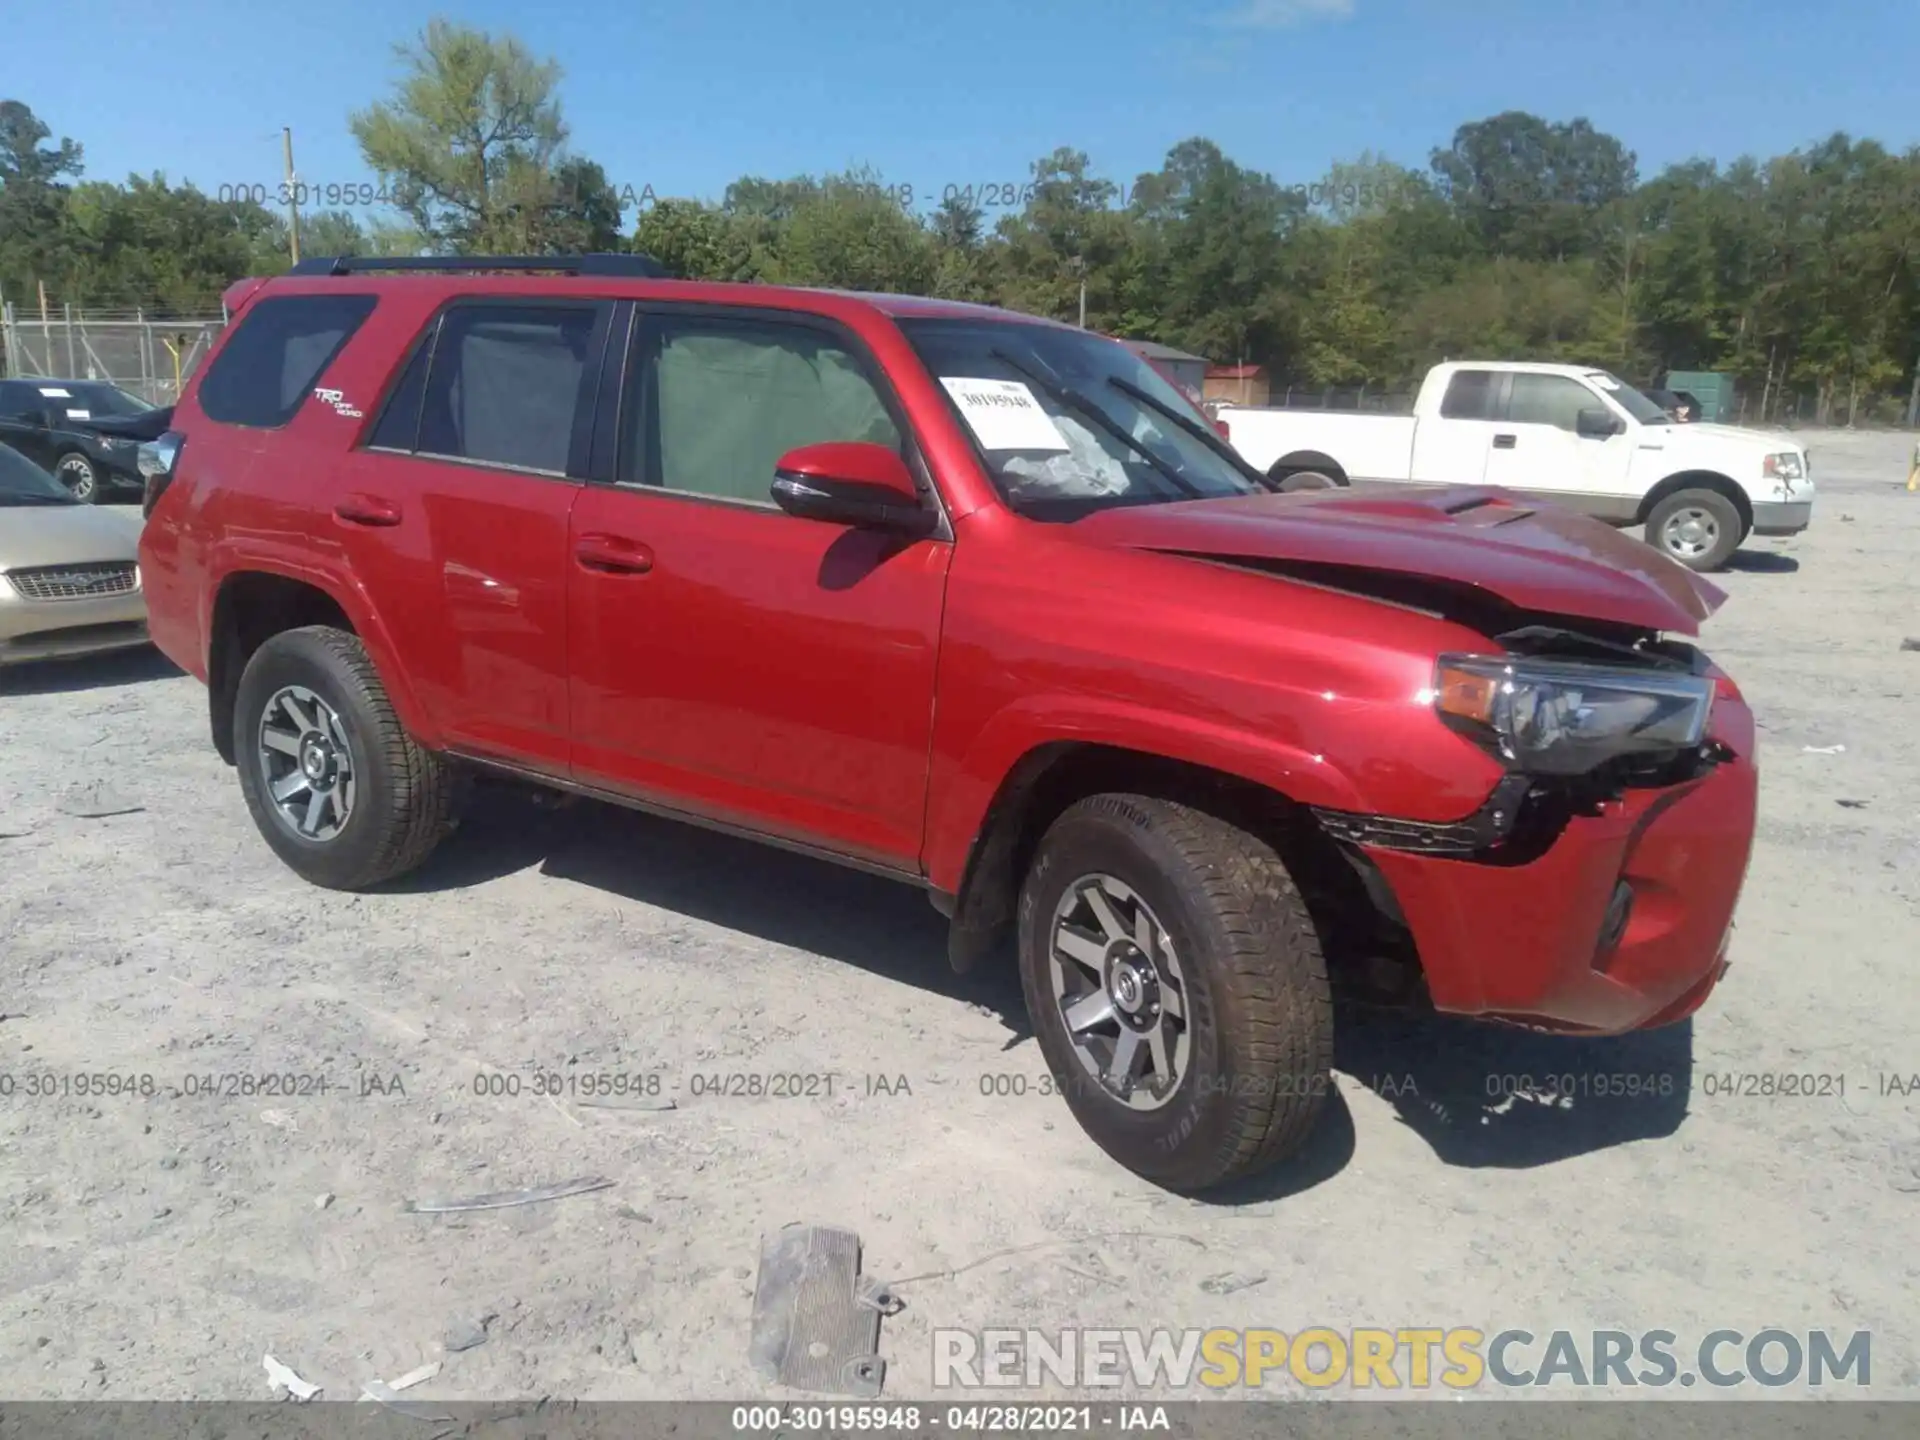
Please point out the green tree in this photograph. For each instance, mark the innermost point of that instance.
(33, 199)
(694, 241)
(151, 244)
(1532, 188)
(473, 147)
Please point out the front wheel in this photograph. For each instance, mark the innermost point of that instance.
(336, 786)
(1177, 990)
(77, 473)
(1699, 528)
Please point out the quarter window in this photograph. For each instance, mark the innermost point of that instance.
(272, 361)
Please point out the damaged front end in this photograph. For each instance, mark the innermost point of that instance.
(1592, 890)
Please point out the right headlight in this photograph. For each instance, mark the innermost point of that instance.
(1784, 465)
(1560, 717)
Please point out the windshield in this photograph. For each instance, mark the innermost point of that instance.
(98, 401)
(24, 483)
(1069, 422)
(1646, 411)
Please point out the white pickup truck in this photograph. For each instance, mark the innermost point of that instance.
(1560, 433)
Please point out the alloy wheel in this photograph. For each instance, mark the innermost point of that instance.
(77, 475)
(1121, 992)
(306, 763)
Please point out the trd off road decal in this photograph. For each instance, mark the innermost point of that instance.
(338, 400)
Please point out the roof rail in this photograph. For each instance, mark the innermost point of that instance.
(626, 267)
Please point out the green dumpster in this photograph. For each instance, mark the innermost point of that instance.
(1718, 403)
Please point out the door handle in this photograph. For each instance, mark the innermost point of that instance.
(1505, 442)
(367, 510)
(613, 555)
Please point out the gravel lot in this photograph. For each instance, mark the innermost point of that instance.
(157, 1246)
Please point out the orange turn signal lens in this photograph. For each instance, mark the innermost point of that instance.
(1465, 694)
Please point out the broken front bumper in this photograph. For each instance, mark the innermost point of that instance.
(1541, 943)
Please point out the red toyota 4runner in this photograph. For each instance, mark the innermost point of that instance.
(973, 600)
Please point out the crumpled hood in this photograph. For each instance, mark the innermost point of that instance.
(1534, 557)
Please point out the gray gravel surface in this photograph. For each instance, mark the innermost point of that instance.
(155, 1245)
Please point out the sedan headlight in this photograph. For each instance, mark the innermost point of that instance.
(1784, 465)
(1558, 717)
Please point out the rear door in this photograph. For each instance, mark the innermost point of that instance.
(1452, 448)
(732, 660)
(455, 516)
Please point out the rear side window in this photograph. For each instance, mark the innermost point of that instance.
(1469, 396)
(508, 383)
(280, 349)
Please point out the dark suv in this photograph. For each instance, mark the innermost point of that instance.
(972, 600)
(67, 426)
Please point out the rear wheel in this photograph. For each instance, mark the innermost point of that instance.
(1176, 988)
(1307, 480)
(336, 786)
(1699, 528)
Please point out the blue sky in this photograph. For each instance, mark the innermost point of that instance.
(685, 97)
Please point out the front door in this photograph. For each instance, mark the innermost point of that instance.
(1539, 450)
(729, 659)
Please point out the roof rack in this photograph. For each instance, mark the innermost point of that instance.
(626, 267)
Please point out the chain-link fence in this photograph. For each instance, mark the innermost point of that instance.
(152, 357)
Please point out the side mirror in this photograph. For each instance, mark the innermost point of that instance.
(1596, 424)
(851, 483)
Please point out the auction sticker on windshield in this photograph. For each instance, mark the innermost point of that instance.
(1004, 415)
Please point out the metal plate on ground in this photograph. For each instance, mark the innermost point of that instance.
(816, 1324)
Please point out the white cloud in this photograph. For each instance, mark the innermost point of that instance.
(1283, 14)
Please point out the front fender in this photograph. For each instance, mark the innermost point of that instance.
(959, 806)
(290, 559)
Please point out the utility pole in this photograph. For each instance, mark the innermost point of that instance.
(1083, 303)
(293, 195)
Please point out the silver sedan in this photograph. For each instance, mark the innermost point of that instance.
(69, 575)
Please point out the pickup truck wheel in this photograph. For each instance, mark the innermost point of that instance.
(1699, 528)
(1307, 480)
(1177, 990)
(340, 791)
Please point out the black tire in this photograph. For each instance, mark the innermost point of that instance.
(80, 475)
(1259, 1016)
(1307, 480)
(402, 803)
(1699, 528)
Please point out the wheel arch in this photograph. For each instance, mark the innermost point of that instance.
(1698, 480)
(252, 604)
(1053, 774)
